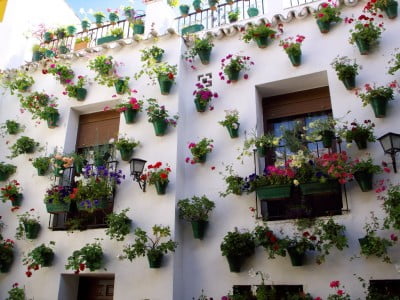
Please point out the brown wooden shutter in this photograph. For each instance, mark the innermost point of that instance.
(97, 128)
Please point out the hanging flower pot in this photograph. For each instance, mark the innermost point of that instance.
(85, 24)
(235, 263)
(274, 191)
(295, 59)
(55, 208)
(7, 260)
(252, 12)
(113, 17)
(199, 228)
(31, 230)
(71, 30)
(324, 26)
(197, 5)
(364, 180)
(204, 56)
(212, 4)
(37, 55)
(160, 126)
(201, 106)
(99, 19)
(120, 86)
(165, 84)
(126, 154)
(41, 171)
(327, 137)
(81, 94)
(261, 151)
(155, 259)
(361, 141)
(201, 159)
(184, 9)
(296, 258)
(233, 130)
(161, 187)
(63, 49)
(391, 9)
(138, 28)
(47, 258)
(313, 188)
(16, 201)
(349, 82)
(52, 120)
(233, 75)
(262, 41)
(379, 105)
(48, 36)
(130, 115)
(363, 46)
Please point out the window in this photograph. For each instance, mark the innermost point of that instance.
(294, 111)
(94, 132)
(384, 290)
(274, 291)
(96, 288)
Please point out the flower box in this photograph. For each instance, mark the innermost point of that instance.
(192, 29)
(330, 186)
(80, 46)
(274, 191)
(108, 39)
(91, 205)
(55, 208)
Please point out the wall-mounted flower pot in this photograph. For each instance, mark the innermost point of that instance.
(130, 115)
(99, 19)
(7, 260)
(323, 26)
(16, 201)
(233, 130)
(52, 120)
(47, 259)
(161, 187)
(56, 208)
(379, 106)
(58, 172)
(160, 126)
(80, 46)
(37, 55)
(232, 19)
(204, 56)
(213, 4)
(184, 9)
(391, 9)
(361, 141)
(349, 82)
(201, 106)
(313, 188)
(126, 154)
(274, 191)
(261, 151)
(233, 75)
(63, 49)
(48, 37)
(296, 258)
(41, 171)
(364, 180)
(31, 230)
(235, 263)
(200, 159)
(85, 25)
(165, 84)
(252, 12)
(49, 53)
(121, 87)
(81, 94)
(262, 41)
(295, 59)
(109, 38)
(327, 138)
(113, 17)
(138, 28)
(4, 176)
(71, 30)
(363, 45)
(155, 259)
(199, 229)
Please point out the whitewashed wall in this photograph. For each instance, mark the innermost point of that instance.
(198, 264)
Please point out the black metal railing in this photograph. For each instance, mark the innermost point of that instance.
(295, 3)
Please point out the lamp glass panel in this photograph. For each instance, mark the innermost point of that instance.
(396, 141)
(386, 144)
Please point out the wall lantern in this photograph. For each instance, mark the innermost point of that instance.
(390, 143)
(137, 166)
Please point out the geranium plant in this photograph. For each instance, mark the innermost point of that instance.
(391, 205)
(158, 115)
(131, 103)
(39, 257)
(329, 12)
(152, 54)
(36, 102)
(386, 92)
(104, 66)
(126, 146)
(57, 194)
(395, 62)
(346, 70)
(90, 256)
(261, 143)
(157, 173)
(11, 127)
(77, 90)
(361, 133)
(389, 6)
(260, 34)
(28, 225)
(201, 47)
(6, 254)
(340, 293)
(62, 72)
(42, 164)
(16, 293)
(292, 47)
(271, 176)
(271, 243)
(119, 225)
(202, 97)
(12, 191)
(235, 184)
(232, 65)
(199, 150)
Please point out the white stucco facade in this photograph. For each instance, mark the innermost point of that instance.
(196, 264)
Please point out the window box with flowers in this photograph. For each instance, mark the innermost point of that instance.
(158, 176)
(292, 47)
(200, 150)
(6, 170)
(232, 65)
(159, 116)
(388, 6)
(201, 47)
(261, 34)
(130, 109)
(203, 96)
(328, 13)
(78, 90)
(81, 43)
(58, 199)
(365, 33)
(360, 133)
(40, 257)
(28, 225)
(90, 256)
(346, 70)
(63, 73)
(12, 191)
(113, 35)
(154, 248)
(231, 122)
(6, 255)
(126, 147)
(363, 171)
(378, 97)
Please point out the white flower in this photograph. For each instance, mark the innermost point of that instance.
(111, 141)
(296, 182)
(349, 145)
(235, 126)
(61, 171)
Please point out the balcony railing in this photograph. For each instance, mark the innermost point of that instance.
(295, 3)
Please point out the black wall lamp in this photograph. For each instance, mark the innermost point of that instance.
(137, 166)
(390, 143)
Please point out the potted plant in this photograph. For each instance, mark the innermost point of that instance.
(138, 25)
(90, 256)
(16, 293)
(363, 171)
(104, 66)
(271, 243)
(60, 162)
(153, 248)
(262, 143)
(119, 225)
(361, 133)
(99, 18)
(365, 33)
(196, 210)
(37, 52)
(78, 90)
(35, 102)
(63, 73)
(165, 74)
(41, 256)
(388, 6)
(237, 246)
(50, 114)
(6, 170)
(6, 255)
(197, 5)
(233, 16)
(61, 32)
(113, 35)
(328, 13)
(58, 199)
(126, 147)
(378, 97)
(213, 4)
(232, 65)
(23, 145)
(113, 16)
(19, 82)
(48, 36)
(391, 205)
(261, 34)
(293, 48)
(231, 122)
(28, 225)
(121, 85)
(252, 11)
(71, 30)
(322, 130)
(339, 294)
(41, 164)
(12, 191)
(199, 150)
(201, 47)
(129, 13)
(184, 10)
(158, 176)
(395, 61)
(346, 70)
(159, 116)
(297, 246)
(235, 183)
(130, 109)
(153, 54)
(12, 127)
(81, 43)
(85, 24)
(372, 244)
(202, 96)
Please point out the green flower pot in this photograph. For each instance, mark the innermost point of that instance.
(16, 202)
(296, 258)
(158, 58)
(252, 12)
(113, 17)
(364, 180)
(155, 259)
(47, 259)
(235, 263)
(274, 191)
(85, 25)
(120, 87)
(165, 85)
(213, 4)
(126, 154)
(379, 106)
(391, 9)
(200, 159)
(71, 30)
(58, 172)
(199, 229)
(201, 106)
(109, 38)
(99, 19)
(52, 120)
(55, 208)
(197, 5)
(233, 75)
(47, 37)
(349, 82)
(49, 53)
(361, 142)
(233, 132)
(324, 27)
(130, 115)
(138, 28)
(41, 171)
(262, 41)
(161, 187)
(261, 151)
(81, 94)
(37, 55)
(7, 260)
(184, 9)
(160, 126)
(295, 59)
(204, 56)
(327, 138)
(31, 230)
(363, 46)
(63, 49)
(313, 188)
